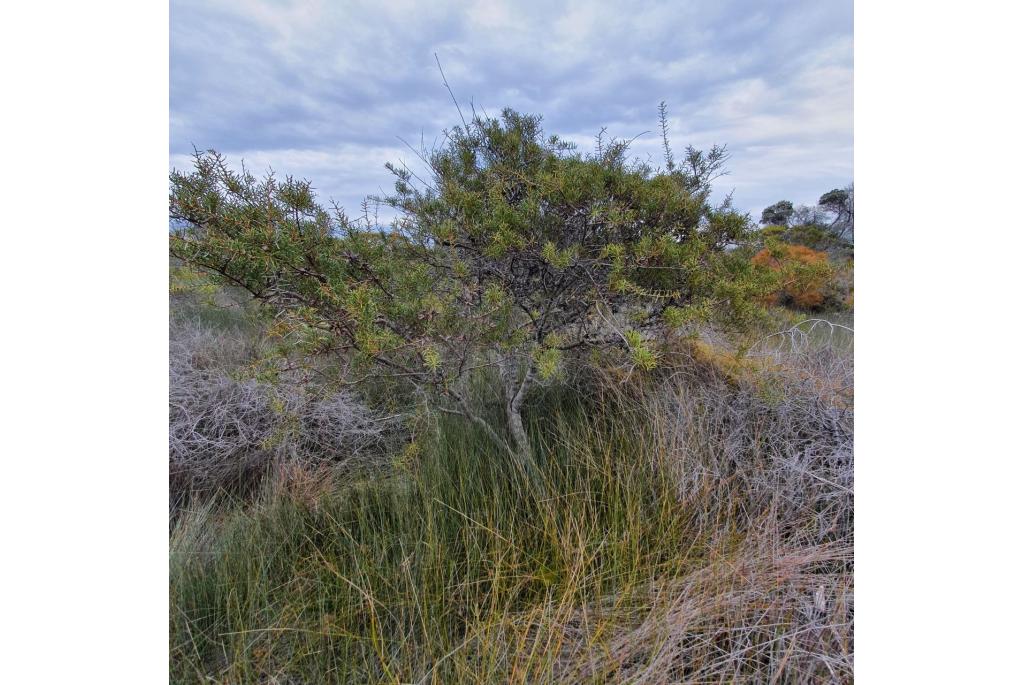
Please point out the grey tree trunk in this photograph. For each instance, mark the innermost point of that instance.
(515, 393)
(518, 431)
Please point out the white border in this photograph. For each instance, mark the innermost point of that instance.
(83, 509)
(938, 152)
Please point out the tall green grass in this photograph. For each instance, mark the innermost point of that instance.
(418, 575)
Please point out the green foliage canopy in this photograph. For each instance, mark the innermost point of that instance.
(515, 250)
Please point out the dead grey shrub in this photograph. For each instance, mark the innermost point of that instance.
(764, 465)
(780, 439)
(225, 431)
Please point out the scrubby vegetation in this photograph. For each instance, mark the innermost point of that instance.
(554, 425)
(804, 274)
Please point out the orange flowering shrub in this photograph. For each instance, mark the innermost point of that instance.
(804, 274)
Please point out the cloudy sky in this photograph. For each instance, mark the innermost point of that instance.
(325, 90)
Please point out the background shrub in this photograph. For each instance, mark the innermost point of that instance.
(804, 274)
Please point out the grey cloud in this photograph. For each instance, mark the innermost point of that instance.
(324, 89)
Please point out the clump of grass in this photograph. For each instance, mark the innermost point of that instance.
(689, 531)
(379, 581)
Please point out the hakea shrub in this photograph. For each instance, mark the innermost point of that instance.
(512, 250)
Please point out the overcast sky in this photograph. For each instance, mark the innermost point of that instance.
(323, 90)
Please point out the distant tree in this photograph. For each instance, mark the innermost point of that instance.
(826, 226)
(514, 251)
(834, 200)
(778, 214)
(839, 203)
(804, 215)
